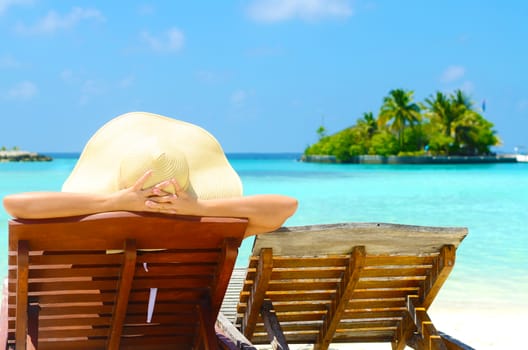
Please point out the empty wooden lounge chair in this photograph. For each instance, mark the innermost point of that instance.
(87, 282)
(347, 283)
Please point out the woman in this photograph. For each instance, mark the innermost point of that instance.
(146, 162)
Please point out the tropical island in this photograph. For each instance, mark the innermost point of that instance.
(17, 155)
(445, 128)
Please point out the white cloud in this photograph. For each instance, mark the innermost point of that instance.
(208, 77)
(264, 51)
(126, 82)
(53, 21)
(468, 87)
(89, 89)
(282, 10)
(522, 105)
(6, 4)
(146, 10)
(170, 41)
(66, 75)
(22, 91)
(452, 73)
(239, 97)
(8, 62)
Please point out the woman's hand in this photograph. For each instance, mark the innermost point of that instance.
(133, 198)
(165, 202)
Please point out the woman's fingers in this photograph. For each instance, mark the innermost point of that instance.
(163, 198)
(162, 186)
(159, 207)
(179, 191)
(141, 181)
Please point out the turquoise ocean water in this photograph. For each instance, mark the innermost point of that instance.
(491, 200)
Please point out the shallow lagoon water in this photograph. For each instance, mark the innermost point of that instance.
(490, 199)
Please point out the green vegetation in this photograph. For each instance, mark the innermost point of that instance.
(15, 148)
(441, 125)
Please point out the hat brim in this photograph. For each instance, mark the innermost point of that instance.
(98, 167)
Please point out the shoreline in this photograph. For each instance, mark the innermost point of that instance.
(369, 159)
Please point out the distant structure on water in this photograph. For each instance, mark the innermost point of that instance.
(22, 156)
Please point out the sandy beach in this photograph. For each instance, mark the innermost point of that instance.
(487, 326)
(483, 328)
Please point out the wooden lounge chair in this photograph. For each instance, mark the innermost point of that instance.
(347, 283)
(67, 290)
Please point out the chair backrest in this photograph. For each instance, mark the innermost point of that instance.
(345, 283)
(90, 279)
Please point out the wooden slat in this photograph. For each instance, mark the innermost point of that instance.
(72, 285)
(301, 285)
(75, 310)
(123, 292)
(301, 316)
(183, 295)
(171, 319)
(258, 292)
(73, 333)
(72, 321)
(395, 271)
(174, 270)
(373, 314)
(72, 272)
(403, 332)
(300, 306)
(91, 344)
(376, 303)
(384, 293)
(207, 321)
(396, 260)
(109, 230)
(226, 263)
(343, 295)
(297, 295)
(180, 341)
(392, 283)
(427, 335)
(304, 261)
(273, 327)
(179, 282)
(180, 256)
(162, 307)
(379, 238)
(443, 267)
(310, 273)
(72, 296)
(292, 327)
(157, 330)
(33, 326)
(22, 293)
(100, 258)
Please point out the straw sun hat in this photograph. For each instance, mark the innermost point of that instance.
(126, 147)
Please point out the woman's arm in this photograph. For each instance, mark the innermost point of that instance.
(38, 205)
(265, 212)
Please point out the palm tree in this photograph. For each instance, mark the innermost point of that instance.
(461, 99)
(399, 108)
(442, 110)
(469, 132)
(368, 123)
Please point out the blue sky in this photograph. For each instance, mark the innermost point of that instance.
(261, 75)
